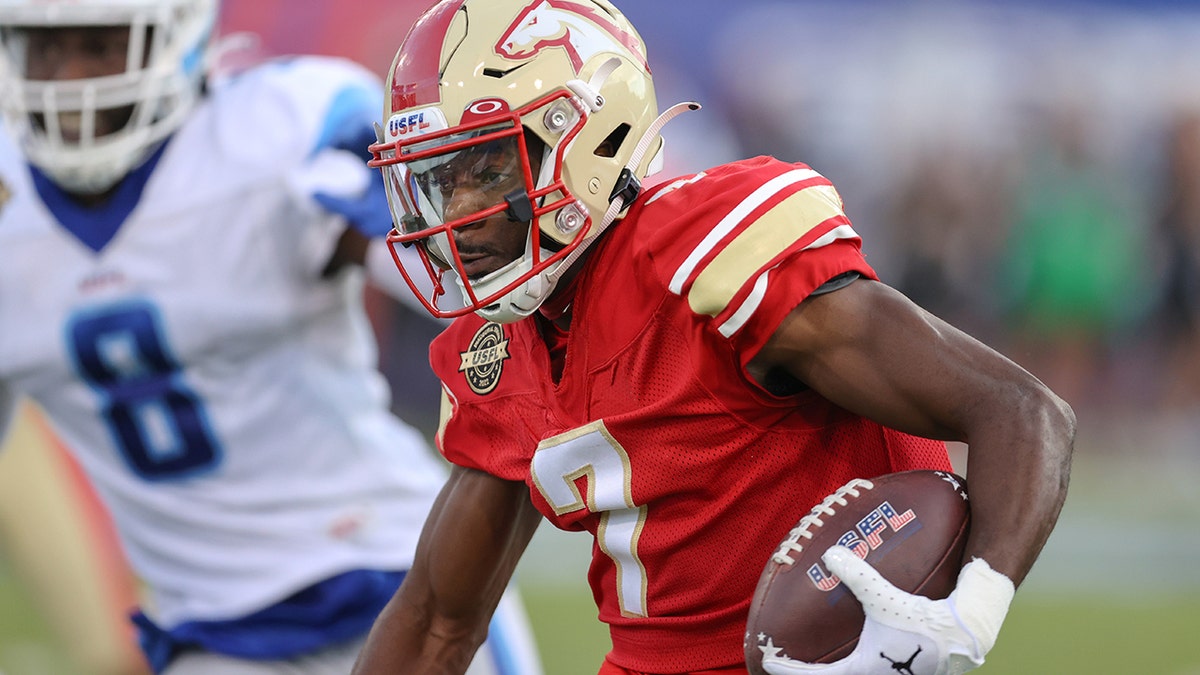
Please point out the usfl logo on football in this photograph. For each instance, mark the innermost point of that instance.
(879, 526)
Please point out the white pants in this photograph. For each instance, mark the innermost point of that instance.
(509, 650)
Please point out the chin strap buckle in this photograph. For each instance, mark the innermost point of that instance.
(520, 207)
(627, 188)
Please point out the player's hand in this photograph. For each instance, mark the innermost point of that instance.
(911, 634)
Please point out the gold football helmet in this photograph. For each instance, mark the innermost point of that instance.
(544, 109)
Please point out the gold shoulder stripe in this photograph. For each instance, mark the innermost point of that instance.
(773, 232)
(731, 220)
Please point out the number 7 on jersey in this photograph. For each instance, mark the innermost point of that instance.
(590, 451)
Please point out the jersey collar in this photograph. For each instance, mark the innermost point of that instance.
(95, 226)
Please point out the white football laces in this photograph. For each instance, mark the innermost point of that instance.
(783, 555)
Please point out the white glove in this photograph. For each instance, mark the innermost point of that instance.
(911, 634)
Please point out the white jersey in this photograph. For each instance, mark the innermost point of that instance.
(199, 366)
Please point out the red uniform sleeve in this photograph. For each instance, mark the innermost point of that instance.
(745, 243)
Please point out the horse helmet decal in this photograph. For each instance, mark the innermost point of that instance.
(577, 28)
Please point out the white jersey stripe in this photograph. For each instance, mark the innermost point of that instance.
(839, 232)
(746, 310)
(733, 218)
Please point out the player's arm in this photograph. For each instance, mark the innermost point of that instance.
(869, 349)
(469, 548)
(333, 177)
(363, 243)
(872, 351)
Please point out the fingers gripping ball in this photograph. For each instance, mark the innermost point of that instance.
(913, 634)
(910, 526)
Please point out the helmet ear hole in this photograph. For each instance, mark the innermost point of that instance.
(612, 143)
(536, 149)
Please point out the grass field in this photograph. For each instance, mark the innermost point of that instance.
(1063, 636)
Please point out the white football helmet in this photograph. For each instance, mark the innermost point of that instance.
(168, 49)
(566, 80)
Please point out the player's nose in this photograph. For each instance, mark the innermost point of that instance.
(71, 67)
(464, 202)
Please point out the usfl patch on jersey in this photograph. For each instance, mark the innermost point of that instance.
(483, 362)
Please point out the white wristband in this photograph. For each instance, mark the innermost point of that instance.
(980, 603)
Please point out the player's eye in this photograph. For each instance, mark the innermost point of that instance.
(489, 180)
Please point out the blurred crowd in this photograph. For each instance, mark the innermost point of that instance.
(1028, 171)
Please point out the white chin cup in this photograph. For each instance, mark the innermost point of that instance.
(519, 302)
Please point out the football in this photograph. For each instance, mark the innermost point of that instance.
(911, 526)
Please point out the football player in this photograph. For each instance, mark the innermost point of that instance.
(681, 371)
(180, 289)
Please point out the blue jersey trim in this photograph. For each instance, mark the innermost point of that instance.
(347, 127)
(334, 610)
(367, 212)
(347, 124)
(95, 226)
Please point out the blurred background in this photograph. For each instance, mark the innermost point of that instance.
(1027, 171)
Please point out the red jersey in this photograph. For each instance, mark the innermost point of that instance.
(655, 439)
